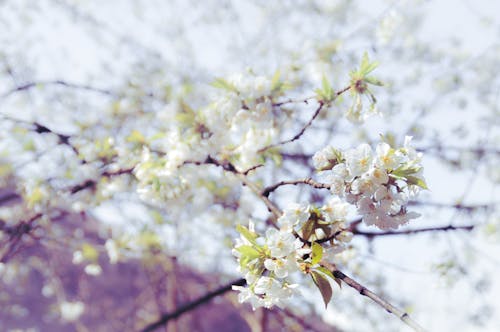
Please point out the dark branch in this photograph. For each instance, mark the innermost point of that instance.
(413, 231)
(300, 133)
(90, 183)
(30, 85)
(164, 319)
(268, 190)
(404, 316)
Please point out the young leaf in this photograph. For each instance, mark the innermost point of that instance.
(221, 83)
(327, 92)
(416, 181)
(317, 253)
(367, 66)
(323, 285)
(275, 81)
(374, 81)
(247, 234)
(248, 251)
(325, 271)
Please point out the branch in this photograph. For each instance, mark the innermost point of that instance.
(268, 190)
(414, 231)
(458, 206)
(30, 85)
(8, 197)
(192, 305)
(404, 316)
(299, 134)
(294, 101)
(90, 183)
(229, 167)
(15, 235)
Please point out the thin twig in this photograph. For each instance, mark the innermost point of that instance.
(294, 101)
(229, 167)
(30, 85)
(414, 231)
(268, 190)
(245, 172)
(308, 124)
(299, 134)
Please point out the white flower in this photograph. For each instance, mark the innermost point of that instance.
(293, 215)
(341, 171)
(410, 151)
(112, 250)
(379, 176)
(363, 185)
(386, 157)
(325, 158)
(335, 209)
(77, 257)
(359, 160)
(71, 311)
(93, 270)
(365, 205)
(264, 284)
(281, 267)
(281, 243)
(274, 291)
(246, 295)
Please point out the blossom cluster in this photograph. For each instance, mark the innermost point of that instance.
(306, 234)
(379, 183)
(239, 122)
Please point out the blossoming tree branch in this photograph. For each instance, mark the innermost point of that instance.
(240, 132)
(195, 158)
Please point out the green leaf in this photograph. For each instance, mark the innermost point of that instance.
(275, 81)
(317, 253)
(319, 94)
(136, 137)
(89, 252)
(325, 271)
(417, 181)
(367, 66)
(247, 234)
(327, 91)
(248, 251)
(323, 285)
(221, 83)
(374, 81)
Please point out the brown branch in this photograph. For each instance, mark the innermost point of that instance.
(164, 319)
(413, 231)
(299, 134)
(90, 183)
(30, 85)
(294, 101)
(15, 235)
(404, 316)
(268, 190)
(245, 172)
(229, 167)
(458, 206)
(8, 197)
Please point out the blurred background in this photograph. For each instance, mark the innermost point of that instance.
(80, 80)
